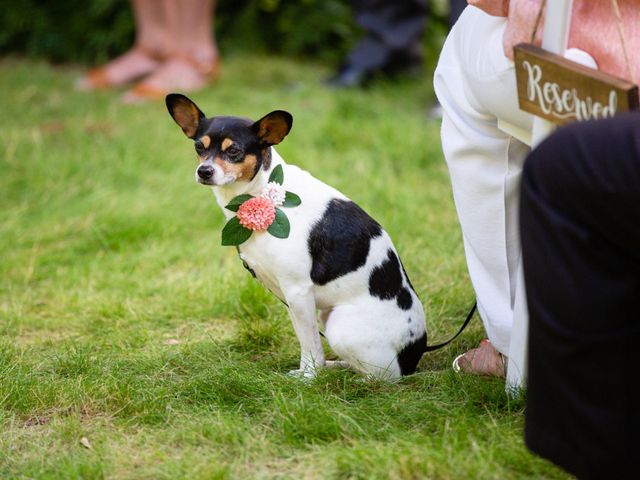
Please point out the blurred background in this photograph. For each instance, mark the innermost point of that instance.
(93, 32)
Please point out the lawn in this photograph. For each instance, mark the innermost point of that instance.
(133, 345)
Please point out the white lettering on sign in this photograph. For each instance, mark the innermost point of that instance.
(565, 103)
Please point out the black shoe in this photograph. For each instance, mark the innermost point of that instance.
(401, 63)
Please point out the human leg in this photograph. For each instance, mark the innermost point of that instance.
(580, 235)
(476, 86)
(148, 52)
(192, 60)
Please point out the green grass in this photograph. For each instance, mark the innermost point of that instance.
(123, 321)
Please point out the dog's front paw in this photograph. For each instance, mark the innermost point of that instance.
(303, 374)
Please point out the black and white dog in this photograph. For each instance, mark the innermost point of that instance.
(336, 258)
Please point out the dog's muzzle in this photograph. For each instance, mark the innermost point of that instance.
(205, 172)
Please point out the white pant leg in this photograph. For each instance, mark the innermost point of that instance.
(475, 84)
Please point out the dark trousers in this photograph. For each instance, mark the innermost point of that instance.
(580, 227)
(393, 30)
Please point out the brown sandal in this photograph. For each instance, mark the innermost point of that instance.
(98, 78)
(146, 91)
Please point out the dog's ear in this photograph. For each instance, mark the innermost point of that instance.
(185, 113)
(273, 127)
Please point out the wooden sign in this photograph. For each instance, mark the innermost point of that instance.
(563, 91)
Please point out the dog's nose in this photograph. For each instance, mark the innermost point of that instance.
(205, 172)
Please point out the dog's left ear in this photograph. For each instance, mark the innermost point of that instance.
(185, 113)
(273, 127)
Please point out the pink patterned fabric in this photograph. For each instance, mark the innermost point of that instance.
(593, 29)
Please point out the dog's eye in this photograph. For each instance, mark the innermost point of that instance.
(199, 148)
(234, 152)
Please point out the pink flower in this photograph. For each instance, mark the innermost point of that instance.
(274, 192)
(256, 214)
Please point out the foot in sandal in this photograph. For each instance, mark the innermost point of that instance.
(128, 67)
(178, 72)
(484, 360)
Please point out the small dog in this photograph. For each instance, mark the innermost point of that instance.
(336, 258)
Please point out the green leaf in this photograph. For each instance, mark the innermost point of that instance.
(277, 175)
(234, 234)
(291, 200)
(280, 227)
(235, 202)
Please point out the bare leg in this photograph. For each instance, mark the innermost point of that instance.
(193, 59)
(150, 49)
(191, 22)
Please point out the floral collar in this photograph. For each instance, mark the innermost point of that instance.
(260, 213)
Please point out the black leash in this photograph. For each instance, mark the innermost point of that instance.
(464, 325)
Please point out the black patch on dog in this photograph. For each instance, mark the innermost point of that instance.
(385, 281)
(410, 355)
(404, 299)
(339, 242)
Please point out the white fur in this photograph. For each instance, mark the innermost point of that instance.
(363, 330)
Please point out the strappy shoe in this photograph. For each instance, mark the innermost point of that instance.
(147, 90)
(99, 78)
